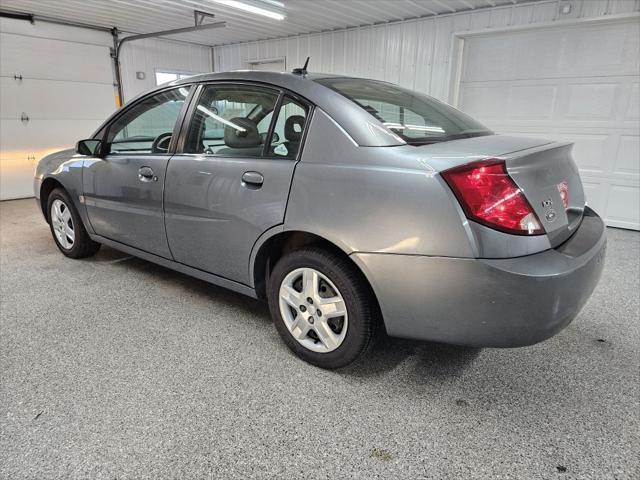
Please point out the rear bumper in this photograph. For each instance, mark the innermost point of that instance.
(490, 303)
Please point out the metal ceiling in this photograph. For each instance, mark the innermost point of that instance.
(302, 16)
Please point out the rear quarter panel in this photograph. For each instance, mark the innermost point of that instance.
(372, 199)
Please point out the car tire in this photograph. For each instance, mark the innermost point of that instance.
(67, 228)
(344, 338)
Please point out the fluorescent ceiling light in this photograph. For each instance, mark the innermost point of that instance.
(251, 9)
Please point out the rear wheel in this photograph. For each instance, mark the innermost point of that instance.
(67, 228)
(322, 307)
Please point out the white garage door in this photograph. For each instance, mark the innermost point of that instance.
(65, 93)
(573, 83)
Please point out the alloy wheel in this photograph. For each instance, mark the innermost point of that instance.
(62, 224)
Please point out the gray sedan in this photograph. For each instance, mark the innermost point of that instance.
(352, 206)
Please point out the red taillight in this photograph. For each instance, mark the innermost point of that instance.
(489, 196)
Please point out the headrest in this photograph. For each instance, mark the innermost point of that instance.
(246, 138)
(293, 128)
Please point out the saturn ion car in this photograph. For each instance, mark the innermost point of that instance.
(351, 206)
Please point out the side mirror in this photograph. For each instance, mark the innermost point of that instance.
(89, 147)
(275, 138)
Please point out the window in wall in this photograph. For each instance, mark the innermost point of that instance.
(166, 77)
(231, 121)
(147, 127)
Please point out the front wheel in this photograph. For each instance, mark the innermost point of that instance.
(322, 307)
(67, 228)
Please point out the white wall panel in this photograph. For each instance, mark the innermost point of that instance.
(155, 54)
(413, 53)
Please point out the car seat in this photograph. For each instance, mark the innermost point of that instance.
(241, 143)
(293, 128)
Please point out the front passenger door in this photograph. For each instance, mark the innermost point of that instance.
(123, 190)
(232, 182)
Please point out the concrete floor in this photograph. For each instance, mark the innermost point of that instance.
(112, 367)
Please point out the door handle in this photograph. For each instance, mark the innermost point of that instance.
(145, 174)
(252, 180)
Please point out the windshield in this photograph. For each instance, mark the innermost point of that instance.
(417, 119)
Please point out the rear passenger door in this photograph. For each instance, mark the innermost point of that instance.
(229, 181)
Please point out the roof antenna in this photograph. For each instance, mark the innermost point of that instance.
(303, 70)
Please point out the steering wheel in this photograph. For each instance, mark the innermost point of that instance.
(161, 143)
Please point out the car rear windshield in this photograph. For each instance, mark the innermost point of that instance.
(417, 119)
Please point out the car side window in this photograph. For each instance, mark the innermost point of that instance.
(147, 127)
(231, 120)
(289, 129)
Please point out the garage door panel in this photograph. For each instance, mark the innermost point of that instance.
(604, 45)
(538, 62)
(591, 101)
(18, 140)
(633, 107)
(16, 180)
(532, 101)
(55, 59)
(622, 205)
(596, 102)
(46, 99)
(478, 53)
(594, 193)
(588, 94)
(591, 50)
(591, 152)
(628, 157)
(483, 102)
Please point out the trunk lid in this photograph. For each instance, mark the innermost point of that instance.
(545, 175)
(543, 170)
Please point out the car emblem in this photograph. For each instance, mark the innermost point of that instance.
(547, 203)
(563, 188)
(551, 216)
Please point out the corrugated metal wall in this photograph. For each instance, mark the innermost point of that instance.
(413, 53)
(153, 54)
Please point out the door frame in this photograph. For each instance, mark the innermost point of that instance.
(103, 131)
(196, 92)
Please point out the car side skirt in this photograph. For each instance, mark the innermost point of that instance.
(179, 267)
